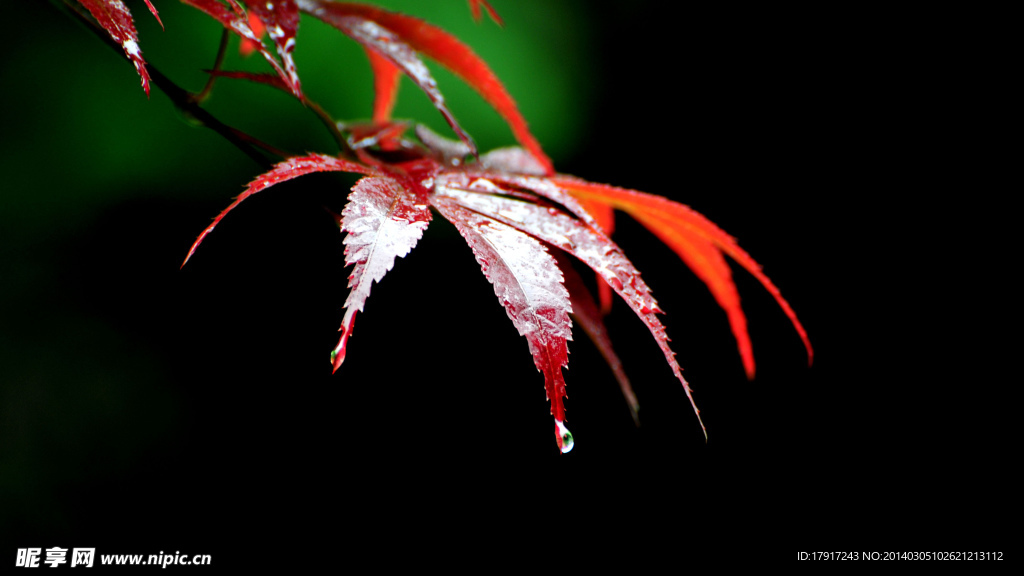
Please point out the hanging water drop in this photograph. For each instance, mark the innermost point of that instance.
(563, 437)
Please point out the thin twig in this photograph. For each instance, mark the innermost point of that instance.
(260, 144)
(332, 126)
(217, 63)
(181, 98)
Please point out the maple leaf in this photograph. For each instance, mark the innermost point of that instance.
(519, 223)
(523, 221)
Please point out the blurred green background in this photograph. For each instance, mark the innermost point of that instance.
(147, 408)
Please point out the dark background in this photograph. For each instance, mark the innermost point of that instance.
(147, 408)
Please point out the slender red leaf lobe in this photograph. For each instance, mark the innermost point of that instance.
(385, 85)
(281, 20)
(155, 13)
(115, 18)
(666, 218)
(283, 171)
(528, 283)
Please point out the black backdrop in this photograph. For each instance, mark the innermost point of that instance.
(804, 135)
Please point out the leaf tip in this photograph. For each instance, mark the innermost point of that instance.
(155, 14)
(191, 251)
(336, 360)
(338, 354)
(748, 367)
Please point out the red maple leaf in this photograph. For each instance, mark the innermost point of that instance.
(524, 222)
(518, 223)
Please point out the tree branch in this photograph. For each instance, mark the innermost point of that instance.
(182, 99)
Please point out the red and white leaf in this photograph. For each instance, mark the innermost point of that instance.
(384, 220)
(236, 20)
(282, 171)
(390, 46)
(281, 19)
(443, 48)
(528, 283)
(577, 237)
(115, 18)
(665, 218)
(512, 159)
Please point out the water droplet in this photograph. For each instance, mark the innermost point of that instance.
(563, 437)
(615, 283)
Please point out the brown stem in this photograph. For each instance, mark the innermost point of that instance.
(217, 63)
(332, 126)
(181, 98)
(260, 144)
